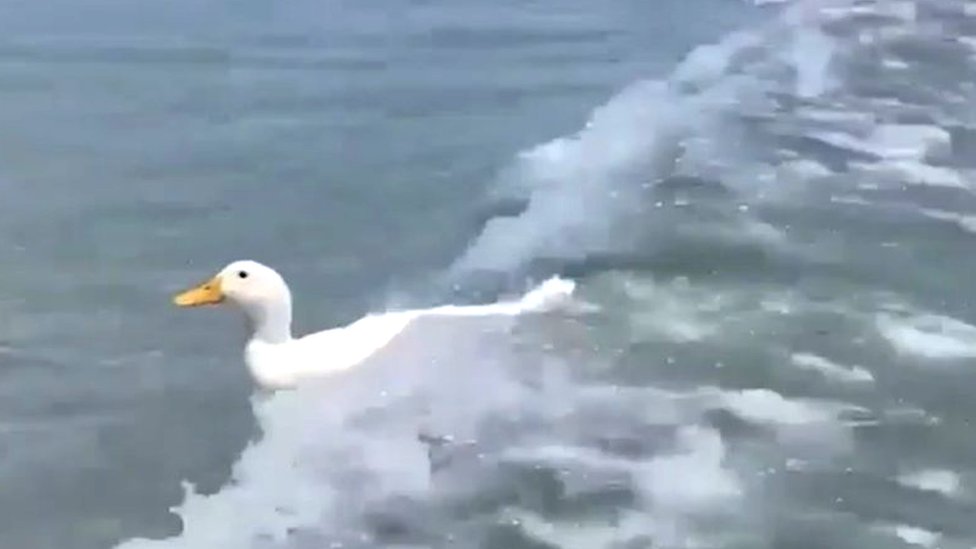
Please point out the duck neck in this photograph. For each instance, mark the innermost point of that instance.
(270, 323)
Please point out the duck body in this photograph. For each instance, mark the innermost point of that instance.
(283, 365)
(277, 360)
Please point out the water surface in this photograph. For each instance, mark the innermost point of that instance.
(769, 212)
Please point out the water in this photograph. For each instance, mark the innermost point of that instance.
(768, 211)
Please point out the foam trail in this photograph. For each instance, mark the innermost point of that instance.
(737, 114)
(327, 448)
(929, 335)
(812, 52)
(832, 370)
(914, 535)
(940, 481)
(581, 185)
(587, 192)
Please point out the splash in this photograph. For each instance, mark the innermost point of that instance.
(832, 370)
(763, 112)
(331, 449)
(929, 335)
(587, 193)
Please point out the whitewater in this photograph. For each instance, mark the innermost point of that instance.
(732, 306)
(758, 409)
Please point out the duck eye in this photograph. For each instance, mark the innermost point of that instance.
(242, 274)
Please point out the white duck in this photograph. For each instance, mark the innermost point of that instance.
(277, 360)
(273, 356)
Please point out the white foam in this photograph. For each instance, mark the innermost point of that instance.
(580, 186)
(916, 173)
(913, 172)
(767, 406)
(916, 536)
(709, 62)
(805, 169)
(332, 448)
(584, 535)
(910, 415)
(676, 310)
(846, 118)
(852, 200)
(965, 222)
(692, 479)
(293, 477)
(832, 370)
(689, 481)
(328, 454)
(893, 142)
(942, 481)
(811, 54)
(584, 190)
(968, 41)
(929, 335)
(908, 141)
(894, 64)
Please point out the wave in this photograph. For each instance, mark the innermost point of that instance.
(765, 116)
(331, 447)
(479, 426)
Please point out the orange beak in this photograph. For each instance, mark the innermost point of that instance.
(208, 293)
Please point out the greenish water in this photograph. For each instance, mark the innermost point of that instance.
(769, 213)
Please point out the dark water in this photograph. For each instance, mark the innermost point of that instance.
(769, 211)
